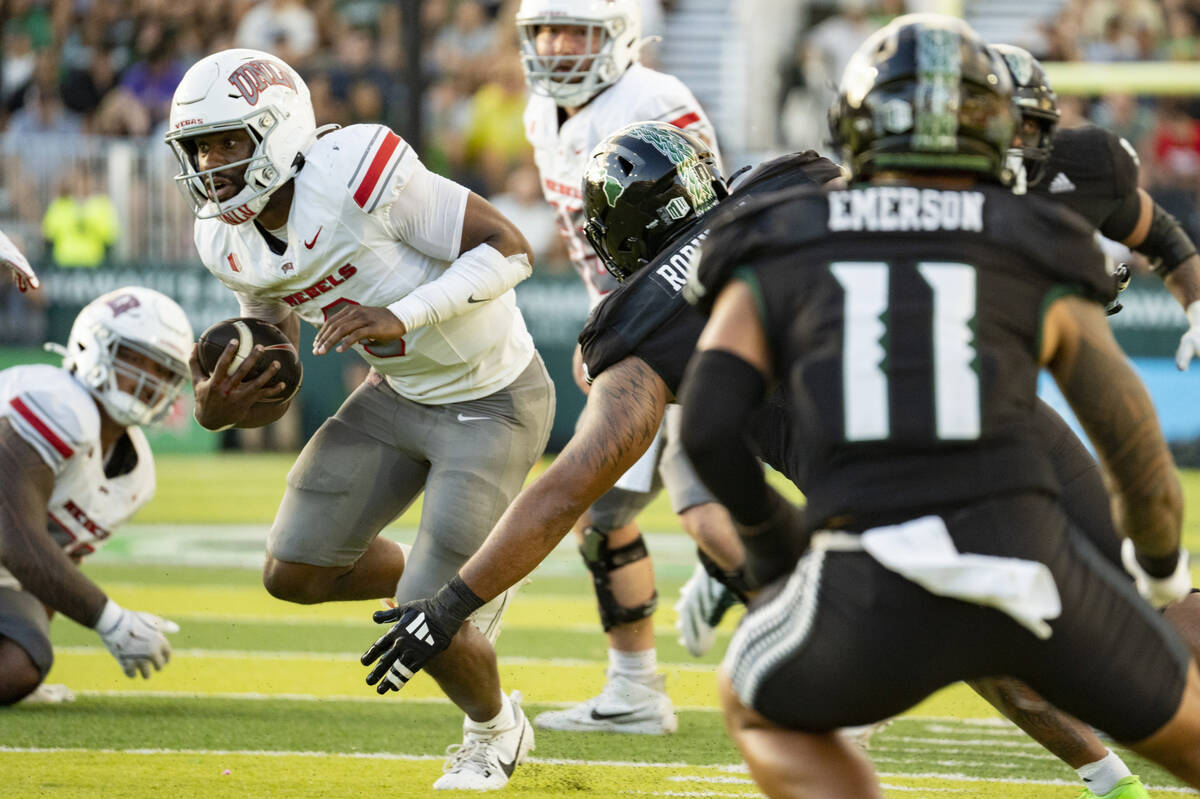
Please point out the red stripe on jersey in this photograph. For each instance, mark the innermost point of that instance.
(685, 120)
(367, 187)
(41, 427)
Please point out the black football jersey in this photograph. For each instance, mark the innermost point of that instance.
(647, 315)
(904, 323)
(1094, 173)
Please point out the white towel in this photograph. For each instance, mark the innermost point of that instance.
(922, 551)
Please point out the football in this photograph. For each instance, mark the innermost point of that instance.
(250, 332)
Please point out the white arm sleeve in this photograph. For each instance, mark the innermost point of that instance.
(476, 276)
(269, 310)
(428, 214)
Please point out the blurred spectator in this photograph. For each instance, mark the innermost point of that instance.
(80, 226)
(83, 87)
(466, 45)
(1126, 117)
(1173, 171)
(495, 134)
(16, 71)
(1117, 42)
(152, 79)
(522, 202)
(285, 28)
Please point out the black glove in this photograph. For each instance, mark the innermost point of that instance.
(423, 629)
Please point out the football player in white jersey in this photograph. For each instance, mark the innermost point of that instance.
(76, 467)
(347, 230)
(22, 272)
(581, 65)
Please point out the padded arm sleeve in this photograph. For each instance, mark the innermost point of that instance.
(478, 275)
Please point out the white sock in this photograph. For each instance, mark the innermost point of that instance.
(637, 666)
(502, 720)
(1100, 777)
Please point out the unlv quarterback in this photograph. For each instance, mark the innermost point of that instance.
(76, 466)
(347, 230)
(580, 59)
(908, 318)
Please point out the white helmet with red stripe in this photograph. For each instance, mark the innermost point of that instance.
(110, 342)
(246, 90)
(613, 35)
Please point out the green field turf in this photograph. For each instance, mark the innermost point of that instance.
(267, 699)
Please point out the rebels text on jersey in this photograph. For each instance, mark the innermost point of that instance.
(905, 323)
(57, 416)
(562, 151)
(1094, 173)
(342, 247)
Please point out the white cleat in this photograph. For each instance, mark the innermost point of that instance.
(702, 604)
(623, 705)
(486, 758)
(49, 694)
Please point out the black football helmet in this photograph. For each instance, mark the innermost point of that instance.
(1037, 105)
(925, 94)
(643, 186)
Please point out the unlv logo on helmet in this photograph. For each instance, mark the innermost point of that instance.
(123, 303)
(254, 76)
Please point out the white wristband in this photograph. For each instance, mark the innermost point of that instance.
(108, 618)
(1193, 314)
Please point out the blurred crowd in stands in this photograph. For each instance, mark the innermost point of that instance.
(78, 75)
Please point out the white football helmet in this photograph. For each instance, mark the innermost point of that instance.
(614, 36)
(138, 321)
(247, 90)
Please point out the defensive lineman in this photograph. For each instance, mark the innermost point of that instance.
(76, 467)
(580, 59)
(349, 232)
(911, 355)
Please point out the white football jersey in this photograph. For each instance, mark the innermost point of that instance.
(561, 153)
(57, 416)
(341, 248)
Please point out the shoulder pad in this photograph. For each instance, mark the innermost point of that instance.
(51, 411)
(368, 162)
(746, 228)
(786, 171)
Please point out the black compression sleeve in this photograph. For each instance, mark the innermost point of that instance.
(1166, 245)
(718, 395)
(720, 391)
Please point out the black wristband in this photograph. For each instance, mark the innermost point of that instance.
(774, 546)
(1159, 567)
(456, 601)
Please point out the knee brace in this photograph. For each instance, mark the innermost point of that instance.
(601, 561)
(734, 580)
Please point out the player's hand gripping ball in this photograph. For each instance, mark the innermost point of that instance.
(250, 332)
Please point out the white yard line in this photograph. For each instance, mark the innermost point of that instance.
(952, 777)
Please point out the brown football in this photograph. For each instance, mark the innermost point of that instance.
(250, 332)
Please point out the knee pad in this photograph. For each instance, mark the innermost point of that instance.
(734, 580)
(601, 561)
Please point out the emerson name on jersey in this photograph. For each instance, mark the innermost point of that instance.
(899, 208)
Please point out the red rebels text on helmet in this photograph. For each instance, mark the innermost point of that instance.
(254, 76)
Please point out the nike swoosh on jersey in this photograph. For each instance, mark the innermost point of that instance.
(598, 716)
(311, 244)
(462, 418)
(472, 299)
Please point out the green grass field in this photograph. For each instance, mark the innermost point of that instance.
(266, 699)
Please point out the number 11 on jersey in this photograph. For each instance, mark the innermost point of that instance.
(866, 322)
